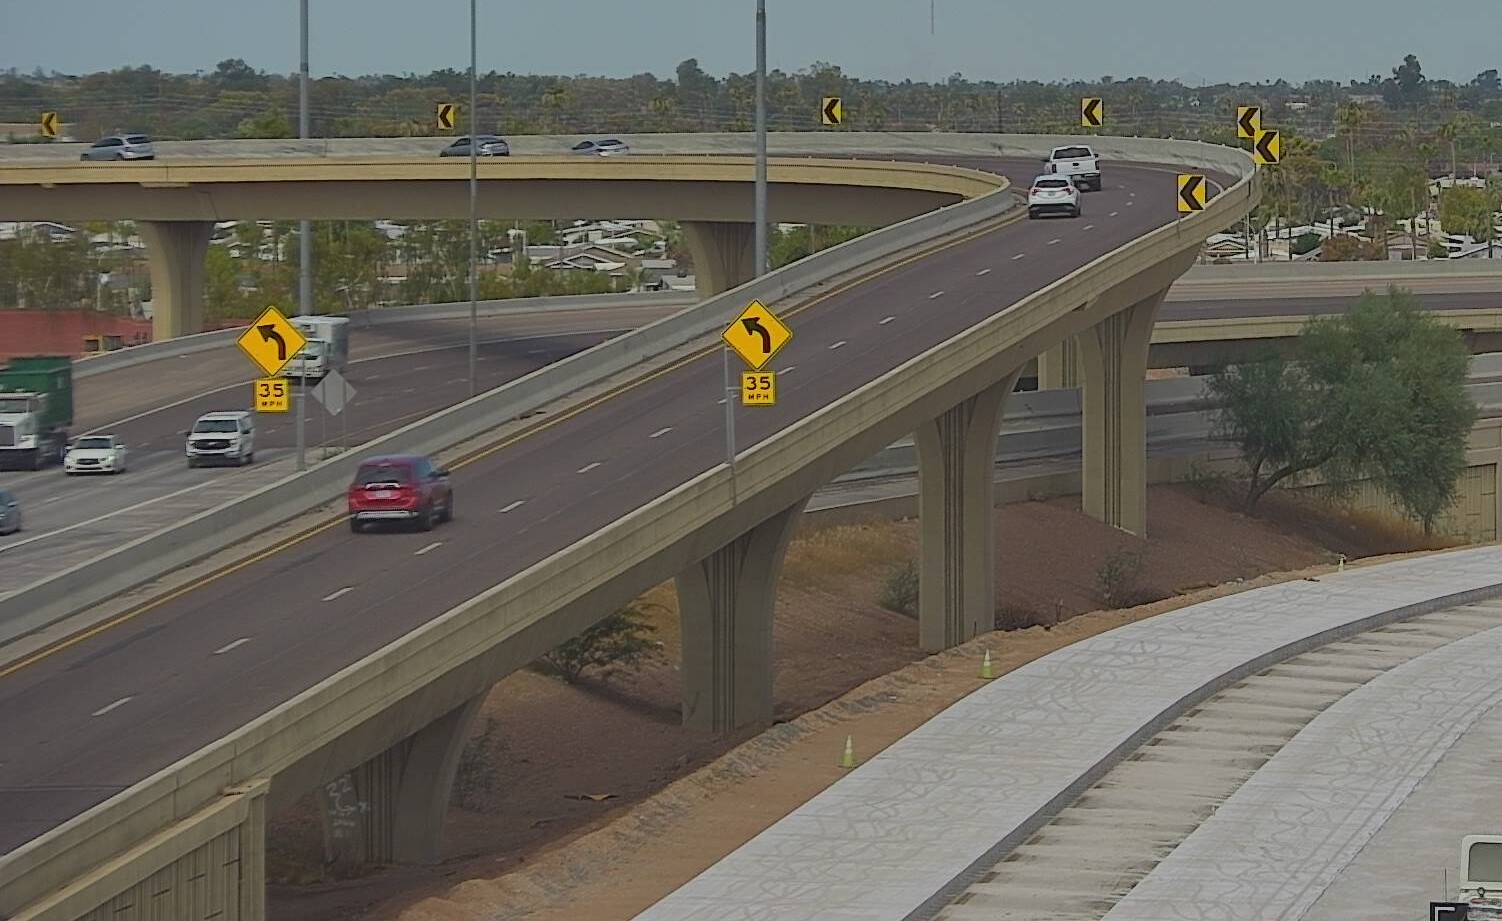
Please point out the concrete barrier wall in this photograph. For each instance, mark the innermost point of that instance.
(540, 606)
(48, 600)
(370, 318)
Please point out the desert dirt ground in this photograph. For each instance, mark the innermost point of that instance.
(589, 800)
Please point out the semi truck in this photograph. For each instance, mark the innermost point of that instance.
(36, 408)
(327, 349)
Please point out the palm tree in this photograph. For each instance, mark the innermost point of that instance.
(1349, 120)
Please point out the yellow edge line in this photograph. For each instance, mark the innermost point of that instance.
(293, 541)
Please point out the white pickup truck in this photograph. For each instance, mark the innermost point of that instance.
(1079, 163)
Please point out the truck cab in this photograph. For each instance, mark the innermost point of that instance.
(36, 407)
(1079, 163)
(327, 348)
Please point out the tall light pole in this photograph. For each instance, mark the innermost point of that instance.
(474, 218)
(761, 139)
(305, 227)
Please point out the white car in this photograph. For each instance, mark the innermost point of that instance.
(1053, 194)
(610, 147)
(95, 454)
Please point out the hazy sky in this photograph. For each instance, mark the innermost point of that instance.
(1001, 39)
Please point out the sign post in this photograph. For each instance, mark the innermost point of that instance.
(756, 335)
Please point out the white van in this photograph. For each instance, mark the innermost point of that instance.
(222, 438)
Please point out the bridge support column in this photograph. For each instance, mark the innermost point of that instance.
(725, 604)
(1059, 367)
(957, 536)
(1113, 359)
(175, 252)
(724, 253)
(390, 810)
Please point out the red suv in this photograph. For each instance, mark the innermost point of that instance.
(400, 487)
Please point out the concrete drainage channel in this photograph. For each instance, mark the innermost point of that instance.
(1082, 862)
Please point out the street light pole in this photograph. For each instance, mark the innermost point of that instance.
(304, 228)
(761, 139)
(474, 218)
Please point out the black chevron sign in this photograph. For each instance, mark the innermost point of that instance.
(1191, 192)
(446, 116)
(833, 110)
(1248, 121)
(1268, 148)
(1090, 113)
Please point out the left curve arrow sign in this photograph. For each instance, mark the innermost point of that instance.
(269, 334)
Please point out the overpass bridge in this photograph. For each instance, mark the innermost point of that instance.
(620, 484)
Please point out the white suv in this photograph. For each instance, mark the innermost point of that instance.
(1053, 194)
(223, 437)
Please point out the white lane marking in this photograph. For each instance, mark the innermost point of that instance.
(885, 321)
(1130, 204)
(720, 402)
(661, 432)
(514, 506)
(1053, 241)
(1089, 226)
(119, 703)
(457, 380)
(1131, 194)
(1018, 256)
(837, 344)
(429, 548)
(240, 642)
(339, 594)
(53, 499)
(788, 368)
(982, 272)
(422, 367)
(588, 467)
(936, 294)
(1114, 213)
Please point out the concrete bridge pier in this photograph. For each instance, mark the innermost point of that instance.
(390, 810)
(1059, 367)
(724, 253)
(175, 253)
(1113, 366)
(957, 542)
(726, 603)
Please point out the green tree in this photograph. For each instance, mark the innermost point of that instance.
(272, 123)
(1467, 210)
(621, 640)
(1377, 393)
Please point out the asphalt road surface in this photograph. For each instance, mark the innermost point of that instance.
(398, 379)
(83, 723)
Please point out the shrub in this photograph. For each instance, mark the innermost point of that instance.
(621, 640)
(1117, 579)
(899, 593)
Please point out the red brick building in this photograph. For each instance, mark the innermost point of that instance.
(65, 332)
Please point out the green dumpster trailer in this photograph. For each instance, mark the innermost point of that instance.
(36, 408)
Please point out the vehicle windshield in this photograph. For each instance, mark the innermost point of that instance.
(216, 425)
(383, 473)
(1070, 153)
(15, 404)
(313, 349)
(95, 442)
